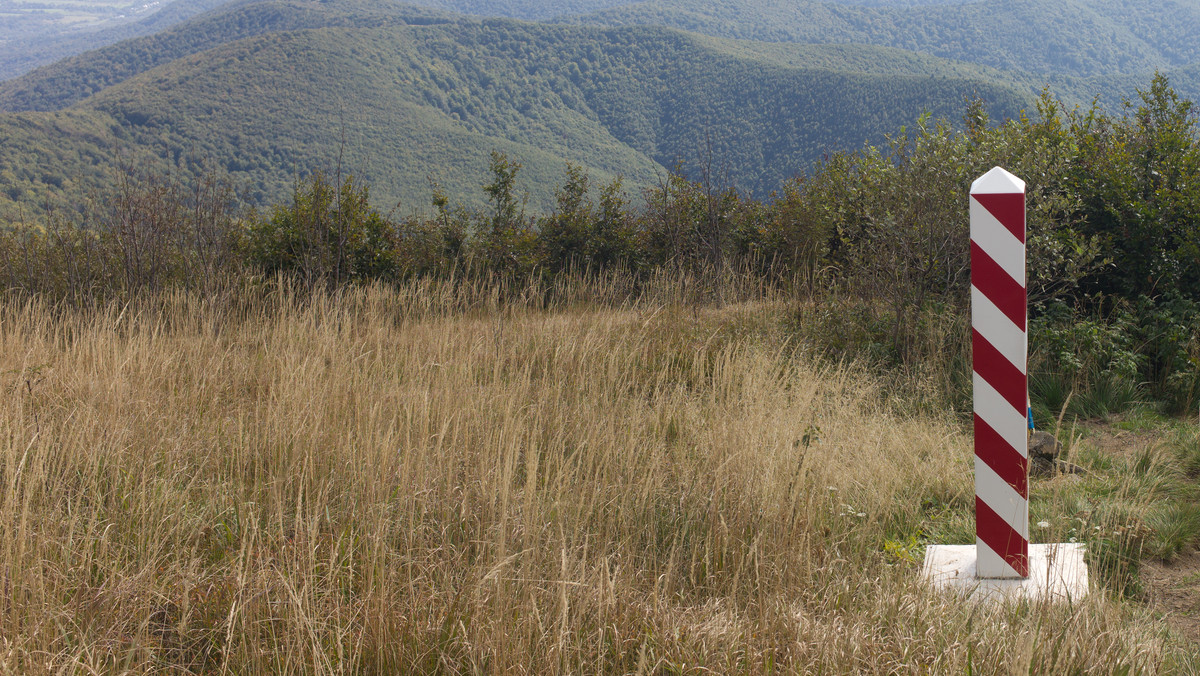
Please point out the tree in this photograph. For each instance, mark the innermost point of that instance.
(1137, 178)
(564, 235)
(507, 241)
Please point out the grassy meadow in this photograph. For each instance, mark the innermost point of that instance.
(446, 478)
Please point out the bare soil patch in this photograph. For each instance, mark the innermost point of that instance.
(1174, 589)
(1114, 441)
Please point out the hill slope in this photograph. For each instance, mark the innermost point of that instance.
(73, 79)
(1072, 37)
(406, 104)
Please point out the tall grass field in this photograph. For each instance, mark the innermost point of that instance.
(431, 479)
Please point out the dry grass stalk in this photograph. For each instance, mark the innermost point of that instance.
(413, 481)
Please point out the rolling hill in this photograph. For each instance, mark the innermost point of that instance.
(1066, 37)
(73, 79)
(405, 104)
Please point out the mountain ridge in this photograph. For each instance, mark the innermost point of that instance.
(429, 102)
(1066, 37)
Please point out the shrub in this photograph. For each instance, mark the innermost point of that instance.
(329, 232)
(1091, 362)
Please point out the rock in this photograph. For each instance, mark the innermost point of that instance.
(1044, 445)
(1044, 450)
(1040, 467)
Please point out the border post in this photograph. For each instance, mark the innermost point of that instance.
(999, 357)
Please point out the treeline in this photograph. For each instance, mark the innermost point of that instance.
(532, 10)
(877, 240)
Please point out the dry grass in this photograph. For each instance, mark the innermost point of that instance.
(374, 484)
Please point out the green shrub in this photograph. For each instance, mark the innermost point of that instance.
(1089, 364)
(582, 234)
(329, 232)
(1169, 330)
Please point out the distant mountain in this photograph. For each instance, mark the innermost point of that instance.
(1051, 38)
(547, 9)
(1066, 37)
(75, 78)
(268, 90)
(36, 45)
(407, 104)
(523, 9)
(900, 3)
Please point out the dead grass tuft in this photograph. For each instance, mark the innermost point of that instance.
(414, 481)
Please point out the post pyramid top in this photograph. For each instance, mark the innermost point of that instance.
(997, 181)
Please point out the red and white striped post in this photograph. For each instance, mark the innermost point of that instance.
(1002, 564)
(1000, 347)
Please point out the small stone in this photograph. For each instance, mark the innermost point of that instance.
(1044, 450)
(1040, 467)
(1044, 445)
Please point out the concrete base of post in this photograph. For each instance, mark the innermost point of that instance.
(1057, 572)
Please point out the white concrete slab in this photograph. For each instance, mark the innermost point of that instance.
(1057, 572)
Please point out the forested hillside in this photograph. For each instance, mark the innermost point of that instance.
(900, 3)
(407, 106)
(73, 79)
(415, 97)
(1070, 37)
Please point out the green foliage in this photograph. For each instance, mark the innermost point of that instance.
(1139, 195)
(1105, 364)
(1114, 308)
(908, 551)
(582, 235)
(328, 233)
(146, 233)
(507, 240)
(690, 222)
(611, 239)
(1092, 361)
(564, 234)
(1168, 330)
(892, 221)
